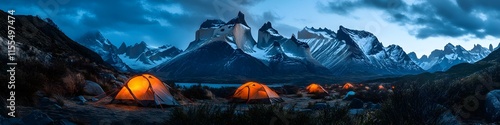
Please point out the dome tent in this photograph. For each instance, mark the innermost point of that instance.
(315, 89)
(252, 92)
(145, 90)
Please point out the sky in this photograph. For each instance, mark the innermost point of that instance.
(419, 26)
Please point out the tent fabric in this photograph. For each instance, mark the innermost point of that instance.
(316, 89)
(252, 92)
(146, 90)
(348, 86)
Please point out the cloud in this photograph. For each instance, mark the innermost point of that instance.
(160, 21)
(432, 18)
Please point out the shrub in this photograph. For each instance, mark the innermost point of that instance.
(409, 106)
(195, 92)
(203, 114)
(258, 114)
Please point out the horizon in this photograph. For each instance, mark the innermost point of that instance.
(175, 22)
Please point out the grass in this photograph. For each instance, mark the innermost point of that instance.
(257, 115)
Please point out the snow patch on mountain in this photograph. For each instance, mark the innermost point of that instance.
(442, 60)
(96, 42)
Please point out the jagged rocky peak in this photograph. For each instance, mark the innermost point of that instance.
(92, 38)
(413, 56)
(490, 47)
(266, 26)
(299, 43)
(449, 46)
(239, 19)
(477, 48)
(122, 48)
(215, 23)
(307, 33)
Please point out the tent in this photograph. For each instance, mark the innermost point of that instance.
(145, 90)
(316, 89)
(252, 92)
(348, 86)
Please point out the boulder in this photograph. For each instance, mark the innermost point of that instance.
(37, 117)
(447, 118)
(66, 122)
(49, 103)
(11, 121)
(80, 100)
(209, 94)
(356, 104)
(94, 89)
(355, 112)
(108, 76)
(320, 106)
(370, 105)
(492, 105)
(350, 95)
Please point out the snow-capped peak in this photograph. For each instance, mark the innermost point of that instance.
(267, 27)
(93, 38)
(442, 60)
(215, 23)
(307, 33)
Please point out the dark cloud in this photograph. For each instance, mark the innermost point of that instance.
(134, 21)
(347, 6)
(432, 18)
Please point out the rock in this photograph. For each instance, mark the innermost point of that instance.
(356, 104)
(66, 122)
(375, 106)
(370, 105)
(356, 111)
(335, 94)
(94, 99)
(93, 88)
(209, 94)
(46, 102)
(81, 99)
(320, 106)
(492, 105)
(11, 121)
(447, 118)
(350, 95)
(328, 98)
(37, 117)
(108, 76)
(40, 93)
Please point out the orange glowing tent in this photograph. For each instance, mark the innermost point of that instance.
(316, 89)
(348, 86)
(146, 90)
(252, 92)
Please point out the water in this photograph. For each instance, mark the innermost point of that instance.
(220, 85)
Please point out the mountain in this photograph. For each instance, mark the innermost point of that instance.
(442, 60)
(142, 57)
(452, 87)
(356, 53)
(102, 46)
(48, 61)
(227, 51)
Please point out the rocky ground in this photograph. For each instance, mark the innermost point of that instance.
(91, 111)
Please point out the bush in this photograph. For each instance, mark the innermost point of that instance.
(195, 92)
(203, 115)
(409, 106)
(257, 115)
